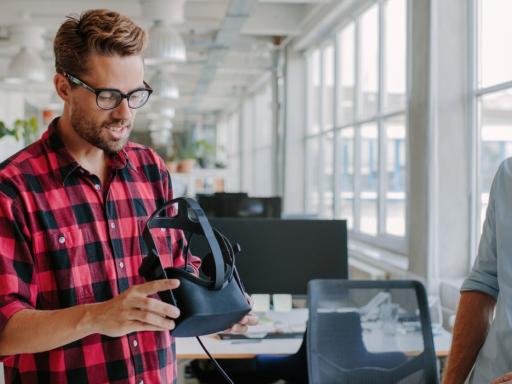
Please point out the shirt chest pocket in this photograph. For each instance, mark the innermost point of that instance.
(67, 260)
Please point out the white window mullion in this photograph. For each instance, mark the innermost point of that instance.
(304, 133)
(337, 133)
(381, 208)
(357, 129)
(321, 184)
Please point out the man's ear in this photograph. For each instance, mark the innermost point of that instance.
(62, 86)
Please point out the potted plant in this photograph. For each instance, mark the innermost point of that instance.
(171, 163)
(204, 153)
(186, 153)
(25, 129)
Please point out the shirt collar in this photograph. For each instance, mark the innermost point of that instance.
(63, 163)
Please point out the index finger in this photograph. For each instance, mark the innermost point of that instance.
(158, 286)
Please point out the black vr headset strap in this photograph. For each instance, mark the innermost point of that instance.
(184, 221)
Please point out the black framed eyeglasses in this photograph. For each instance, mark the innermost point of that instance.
(108, 98)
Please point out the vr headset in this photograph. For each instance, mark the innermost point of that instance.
(207, 305)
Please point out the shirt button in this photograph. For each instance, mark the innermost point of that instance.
(121, 265)
(112, 225)
(62, 239)
(162, 229)
(97, 186)
(141, 382)
(135, 343)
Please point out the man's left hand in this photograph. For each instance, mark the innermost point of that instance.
(247, 320)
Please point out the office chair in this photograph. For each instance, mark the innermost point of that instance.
(354, 338)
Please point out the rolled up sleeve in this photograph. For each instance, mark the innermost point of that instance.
(484, 275)
(18, 289)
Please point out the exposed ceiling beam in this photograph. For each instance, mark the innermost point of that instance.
(275, 20)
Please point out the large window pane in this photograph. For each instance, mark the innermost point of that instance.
(369, 62)
(328, 87)
(495, 29)
(369, 178)
(262, 175)
(312, 175)
(395, 176)
(346, 75)
(328, 166)
(313, 92)
(394, 55)
(346, 177)
(496, 138)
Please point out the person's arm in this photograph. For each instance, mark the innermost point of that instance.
(32, 331)
(474, 315)
(479, 291)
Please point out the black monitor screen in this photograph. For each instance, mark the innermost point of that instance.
(281, 256)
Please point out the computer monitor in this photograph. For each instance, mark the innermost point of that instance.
(281, 256)
(239, 205)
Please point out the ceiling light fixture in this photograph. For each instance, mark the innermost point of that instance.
(164, 85)
(165, 45)
(27, 65)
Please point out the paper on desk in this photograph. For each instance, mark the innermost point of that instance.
(279, 322)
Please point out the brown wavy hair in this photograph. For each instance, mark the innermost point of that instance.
(99, 31)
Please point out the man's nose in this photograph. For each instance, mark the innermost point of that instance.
(123, 111)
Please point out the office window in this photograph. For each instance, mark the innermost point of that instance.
(313, 165)
(362, 124)
(493, 96)
(395, 169)
(369, 178)
(327, 88)
(346, 175)
(328, 174)
(228, 149)
(346, 75)
(313, 93)
(369, 63)
(262, 184)
(394, 55)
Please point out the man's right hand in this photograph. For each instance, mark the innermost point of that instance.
(134, 311)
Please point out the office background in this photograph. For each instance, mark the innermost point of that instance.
(391, 114)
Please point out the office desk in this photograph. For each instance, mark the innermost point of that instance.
(375, 340)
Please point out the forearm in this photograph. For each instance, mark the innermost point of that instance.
(32, 331)
(474, 315)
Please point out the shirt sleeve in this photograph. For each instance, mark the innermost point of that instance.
(18, 289)
(484, 275)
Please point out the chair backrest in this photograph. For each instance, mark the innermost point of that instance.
(369, 332)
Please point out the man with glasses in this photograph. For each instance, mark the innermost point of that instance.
(73, 308)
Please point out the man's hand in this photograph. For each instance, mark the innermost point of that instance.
(507, 378)
(134, 311)
(250, 319)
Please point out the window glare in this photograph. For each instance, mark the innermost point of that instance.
(495, 30)
(369, 62)
(395, 56)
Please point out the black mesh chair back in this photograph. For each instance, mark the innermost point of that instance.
(362, 332)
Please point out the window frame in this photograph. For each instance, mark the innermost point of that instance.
(476, 93)
(394, 243)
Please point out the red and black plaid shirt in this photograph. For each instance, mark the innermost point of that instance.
(66, 240)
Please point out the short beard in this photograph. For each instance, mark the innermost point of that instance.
(89, 130)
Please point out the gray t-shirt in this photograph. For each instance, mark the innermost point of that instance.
(492, 274)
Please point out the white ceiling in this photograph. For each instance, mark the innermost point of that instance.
(228, 42)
